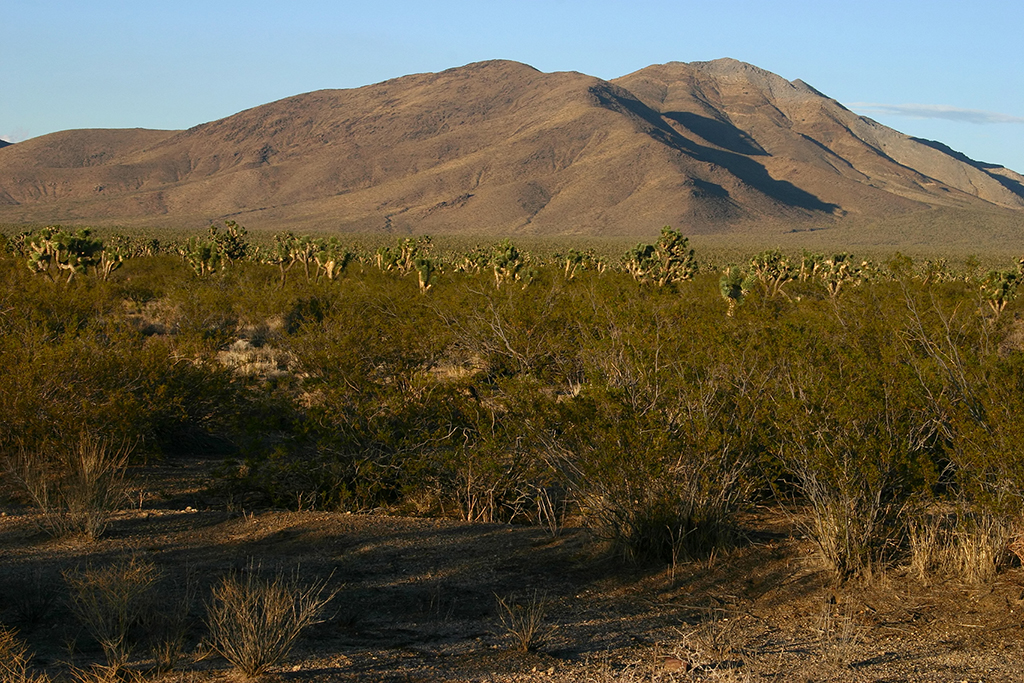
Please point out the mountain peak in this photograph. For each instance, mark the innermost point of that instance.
(499, 146)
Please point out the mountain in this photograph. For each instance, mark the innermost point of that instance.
(500, 148)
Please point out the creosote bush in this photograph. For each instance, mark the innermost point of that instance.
(255, 621)
(76, 486)
(167, 628)
(657, 397)
(110, 601)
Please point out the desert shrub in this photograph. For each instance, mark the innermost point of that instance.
(513, 331)
(659, 442)
(666, 431)
(76, 486)
(362, 355)
(650, 492)
(167, 628)
(142, 280)
(492, 471)
(852, 432)
(423, 446)
(254, 622)
(47, 310)
(114, 382)
(973, 389)
(32, 597)
(14, 660)
(110, 601)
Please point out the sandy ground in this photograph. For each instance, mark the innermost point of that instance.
(417, 600)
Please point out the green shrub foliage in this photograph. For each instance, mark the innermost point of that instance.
(652, 400)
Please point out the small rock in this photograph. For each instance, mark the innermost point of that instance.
(675, 664)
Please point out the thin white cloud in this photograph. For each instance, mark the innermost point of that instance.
(936, 111)
(16, 135)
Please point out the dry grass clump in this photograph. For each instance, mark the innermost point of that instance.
(524, 620)
(76, 487)
(256, 361)
(254, 622)
(685, 515)
(14, 660)
(968, 544)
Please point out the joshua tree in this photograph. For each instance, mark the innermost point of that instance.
(331, 257)
(838, 271)
(573, 260)
(507, 263)
(639, 262)
(282, 253)
(772, 270)
(427, 273)
(231, 243)
(733, 285)
(675, 259)
(303, 250)
(213, 254)
(202, 255)
(1000, 288)
(53, 247)
(670, 260)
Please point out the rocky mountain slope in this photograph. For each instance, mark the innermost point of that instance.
(501, 148)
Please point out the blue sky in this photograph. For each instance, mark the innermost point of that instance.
(950, 71)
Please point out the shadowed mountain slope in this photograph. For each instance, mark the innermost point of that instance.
(501, 148)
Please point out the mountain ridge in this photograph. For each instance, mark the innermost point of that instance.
(500, 147)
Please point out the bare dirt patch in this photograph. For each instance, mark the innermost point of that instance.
(417, 601)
